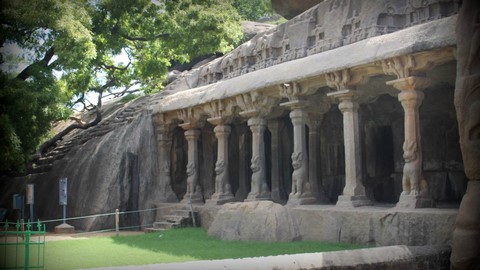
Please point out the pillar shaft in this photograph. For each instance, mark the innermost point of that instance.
(164, 143)
(414, 187)
(354, 192)
(301, 193)
(314, 161)
(193, 188)
(223, 192)
(259, 189)
(277, 189)
(353, 172)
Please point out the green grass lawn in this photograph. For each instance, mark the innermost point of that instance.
(178, 245)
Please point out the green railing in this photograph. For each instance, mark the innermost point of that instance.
(22, 247)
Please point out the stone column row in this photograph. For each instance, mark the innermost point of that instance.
(305, 189)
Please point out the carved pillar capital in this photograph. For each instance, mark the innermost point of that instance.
(344, 79)
(192, 134)
(411, 83)
(254, 104)
(191, 117)
(406, 66)
(222, 131)
(220, 111)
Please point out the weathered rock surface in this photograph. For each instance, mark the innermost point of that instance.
(112, 165)
(375, 226)
(292, 8)
(254, 221)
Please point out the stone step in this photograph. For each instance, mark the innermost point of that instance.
(176, 219)
(45, 160)
(181, 212)
(165, 225)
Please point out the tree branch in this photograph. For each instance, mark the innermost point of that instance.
(27, 72)
(78, 125)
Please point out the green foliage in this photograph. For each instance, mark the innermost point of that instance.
(177, 245)
(253, 10)
(81, 41)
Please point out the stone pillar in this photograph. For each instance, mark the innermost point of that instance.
(194, 192)
(164, 143)
(243, 163)
(223, 190)
(414, 187)
(314, 160)
(301, 190)
(278, 190)
(259, 189)
(354, 192)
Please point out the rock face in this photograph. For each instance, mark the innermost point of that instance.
(109, 166)
(292, 8)
(254, 221)
(466, 237)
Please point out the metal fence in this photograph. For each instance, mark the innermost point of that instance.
(23, 246)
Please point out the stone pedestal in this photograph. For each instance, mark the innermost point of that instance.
(194, 193)
(354, 192)
(64, 229)
(223, 190)
(414, 187)
(259, 189)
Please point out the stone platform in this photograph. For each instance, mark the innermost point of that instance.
(378, 225)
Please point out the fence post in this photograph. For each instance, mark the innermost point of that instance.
(27, 246)
(117, 220)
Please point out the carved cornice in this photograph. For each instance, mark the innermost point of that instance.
(254, 104)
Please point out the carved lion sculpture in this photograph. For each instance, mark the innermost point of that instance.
(219, 179)
(299, 174)
(192, 178)
(412, 181)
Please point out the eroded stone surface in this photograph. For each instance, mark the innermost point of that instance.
(254, 221)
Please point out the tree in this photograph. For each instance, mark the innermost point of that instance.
(253, 10)
(72, 47)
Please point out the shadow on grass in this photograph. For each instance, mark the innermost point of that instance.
(195, 242)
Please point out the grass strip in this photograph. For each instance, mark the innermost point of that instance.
(177, 245)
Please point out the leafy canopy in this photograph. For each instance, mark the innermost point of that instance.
(68, 48)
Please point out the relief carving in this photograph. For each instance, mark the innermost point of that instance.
(222, 187)
(192, 176)
(299, 176)
(327, 26)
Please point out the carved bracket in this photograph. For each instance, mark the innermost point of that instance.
(344, 79)
(220, 111)
(191, 117)
(406, 66)
(254, 104)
